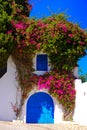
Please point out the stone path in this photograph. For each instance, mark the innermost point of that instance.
(22, 126)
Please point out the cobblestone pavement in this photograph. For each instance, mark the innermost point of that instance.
(22, 126)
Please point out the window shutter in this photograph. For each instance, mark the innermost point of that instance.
(42, 62)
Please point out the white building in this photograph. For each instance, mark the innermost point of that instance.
(50, 111)
(40, 106)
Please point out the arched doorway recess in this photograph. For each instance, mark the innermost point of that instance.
(40, 108)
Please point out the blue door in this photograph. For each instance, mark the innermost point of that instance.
(40, 108)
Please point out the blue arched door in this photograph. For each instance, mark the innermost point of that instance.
(40, 108)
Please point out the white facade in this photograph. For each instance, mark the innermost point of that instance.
(80, 112)
(75, 72)
(8, 92)
(10, 97)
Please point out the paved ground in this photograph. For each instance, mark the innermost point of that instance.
(22, 126)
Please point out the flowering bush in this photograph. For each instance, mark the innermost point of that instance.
(11, 10)
(60, 86)
(5, 25)
(63, 41)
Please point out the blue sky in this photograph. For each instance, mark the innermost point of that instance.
(75, 9)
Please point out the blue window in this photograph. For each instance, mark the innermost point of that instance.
(42, 62)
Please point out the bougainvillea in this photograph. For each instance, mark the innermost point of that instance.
(10, 11)
(60, 86)
(54, 35)
(63, 41)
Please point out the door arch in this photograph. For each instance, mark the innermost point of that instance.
(40, 108)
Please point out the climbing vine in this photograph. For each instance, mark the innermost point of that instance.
(63, 41)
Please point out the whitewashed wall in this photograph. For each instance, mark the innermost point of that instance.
(8, 92)
(58, 110)
(11, 94)
(80, 112)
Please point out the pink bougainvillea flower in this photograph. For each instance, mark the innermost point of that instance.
(38, 46)
(70, 35)
(64, 28)
(9, 31)
(81, 43)
(60, 92)
(20, 25)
